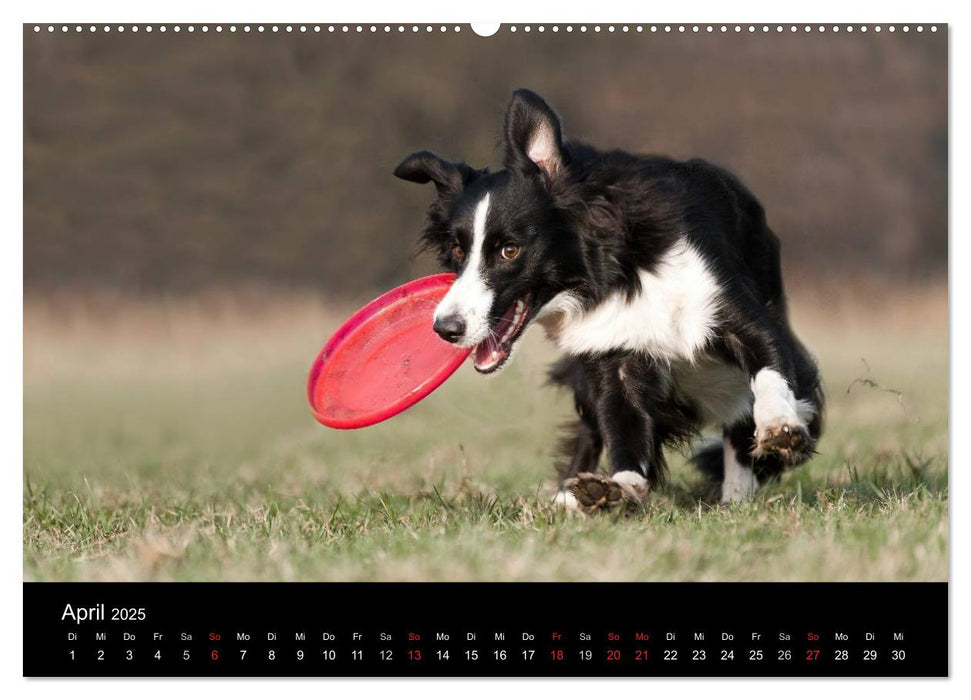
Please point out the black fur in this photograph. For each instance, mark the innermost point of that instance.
(587, 221)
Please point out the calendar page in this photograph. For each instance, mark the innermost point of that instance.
(485, 350)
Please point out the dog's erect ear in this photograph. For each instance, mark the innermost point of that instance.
(534, 142)
(424, 166)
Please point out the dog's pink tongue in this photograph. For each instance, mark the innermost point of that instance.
(486, 353)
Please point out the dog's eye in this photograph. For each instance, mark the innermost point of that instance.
(458, 253)
(510, 252)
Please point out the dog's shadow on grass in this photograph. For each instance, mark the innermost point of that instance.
(875, 483)
(884, 479)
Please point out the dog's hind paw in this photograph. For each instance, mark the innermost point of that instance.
(787, 440)
(593, 493)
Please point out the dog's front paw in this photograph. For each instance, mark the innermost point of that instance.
(593, 493)
(780, 420)
(787, 439)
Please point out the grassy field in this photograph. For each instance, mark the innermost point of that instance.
(171, 441)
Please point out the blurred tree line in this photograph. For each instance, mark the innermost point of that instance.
(172, 163)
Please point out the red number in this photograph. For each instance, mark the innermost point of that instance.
(215, 655)
(613, 655)
(640, 655)
(414, 654)
(812, 654)
(557, 654)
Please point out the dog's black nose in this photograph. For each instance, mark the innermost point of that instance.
(451, 328)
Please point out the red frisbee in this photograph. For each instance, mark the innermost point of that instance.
(384, 359)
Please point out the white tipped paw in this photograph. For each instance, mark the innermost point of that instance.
(594, 493)
(780, 420)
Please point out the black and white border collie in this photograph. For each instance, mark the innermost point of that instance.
(660, 282)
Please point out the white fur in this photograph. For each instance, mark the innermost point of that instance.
(775, 402)
(720, 391)
(630, 478)
(740, 483)
(563, 306)
(672, 317)
(566, 500)
(469, 296)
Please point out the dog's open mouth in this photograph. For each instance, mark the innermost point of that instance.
(493, 352)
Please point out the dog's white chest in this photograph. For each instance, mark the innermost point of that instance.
(672, 317)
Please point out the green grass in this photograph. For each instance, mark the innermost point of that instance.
(173, 449)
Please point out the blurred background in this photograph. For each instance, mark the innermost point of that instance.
(168, 164)
(201, 211)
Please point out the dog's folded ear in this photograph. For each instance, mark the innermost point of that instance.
(534, 142)
(425, 166)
